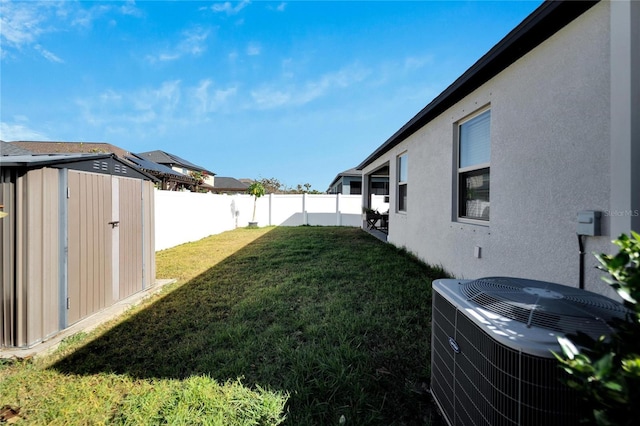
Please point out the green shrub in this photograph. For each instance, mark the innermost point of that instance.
(606, 371)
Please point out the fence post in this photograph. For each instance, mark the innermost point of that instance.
(304, 209)
(270, 209)
(338, 212)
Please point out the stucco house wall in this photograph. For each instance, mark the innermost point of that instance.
(550, 158)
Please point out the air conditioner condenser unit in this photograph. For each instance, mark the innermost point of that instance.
(491, 349)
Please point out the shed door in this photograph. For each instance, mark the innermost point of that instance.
(130, 236)
(105, 242)
(89, 261)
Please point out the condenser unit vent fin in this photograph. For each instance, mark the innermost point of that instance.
(550, 306)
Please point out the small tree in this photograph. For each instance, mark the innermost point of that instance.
(606, 371)
(272, 185)
(198, 176)
(257, 190)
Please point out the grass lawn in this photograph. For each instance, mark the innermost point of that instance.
(313, 325)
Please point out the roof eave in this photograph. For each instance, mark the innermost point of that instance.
(542, 23)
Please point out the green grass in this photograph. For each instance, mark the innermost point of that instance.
(315, 324)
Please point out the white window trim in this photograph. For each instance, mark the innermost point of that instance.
(458, 171)
(401, 183)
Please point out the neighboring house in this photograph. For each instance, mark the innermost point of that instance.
(229, 185)
(78, 237)
(10, 149)
(182, 166)
(350, 182)
(170, 180)
(488, 179)
(347, 182)
(167, 178)
(59, 147)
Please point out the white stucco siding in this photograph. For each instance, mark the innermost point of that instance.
(549, 159)
(550, 154)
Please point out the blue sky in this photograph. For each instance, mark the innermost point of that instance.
(296, 90)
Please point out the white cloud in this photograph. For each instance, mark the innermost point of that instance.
(413, 63)
(129, 8)
(268, 97)
(85, 17)
(153, 110)
(209, 99)
(20, 132)
(163, 99)
(253, 49)
(148, 106)
(24, 23)
(279, 8)
(193, 42)
(48, 55)
(229, 8)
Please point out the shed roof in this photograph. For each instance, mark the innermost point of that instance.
(31, 160)
(163, 157)
(95, 163)
(542, 23)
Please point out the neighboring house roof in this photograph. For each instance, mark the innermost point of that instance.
(347, 173)
(159, 170)
(10, 149)
(229, 184)
(162, 157)
(542, 23)
(41, 147)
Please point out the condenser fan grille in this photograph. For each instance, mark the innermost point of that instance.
(542, 304)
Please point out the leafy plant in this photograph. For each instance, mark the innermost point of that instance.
(256, 189)
(198, 176)
(606, 371)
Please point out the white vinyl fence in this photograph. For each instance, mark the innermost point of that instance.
(181, 217)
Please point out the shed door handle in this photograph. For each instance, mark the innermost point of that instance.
(114, 223)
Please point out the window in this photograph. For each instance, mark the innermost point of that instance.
(380, 188)
(474, 153)
(355, 188)
(402, 182)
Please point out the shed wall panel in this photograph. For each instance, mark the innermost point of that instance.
(32, 312)
(44, 257)
(20, 294)
(7, 257)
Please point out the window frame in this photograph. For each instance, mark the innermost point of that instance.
(401, 203)
(471, 171)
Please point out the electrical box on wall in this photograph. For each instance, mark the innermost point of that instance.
(589, 222)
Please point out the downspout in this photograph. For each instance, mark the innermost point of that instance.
(581, 254)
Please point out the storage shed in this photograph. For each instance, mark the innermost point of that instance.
(78, 237)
